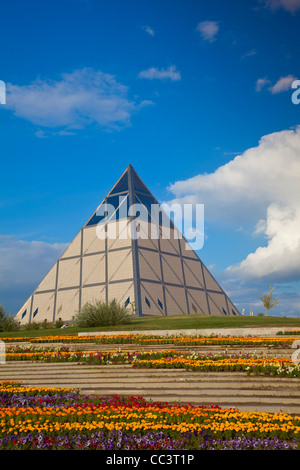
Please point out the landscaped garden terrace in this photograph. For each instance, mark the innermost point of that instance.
(56, 418)
(250, 362)
(41, 418)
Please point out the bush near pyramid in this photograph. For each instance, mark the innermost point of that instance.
(106, 261)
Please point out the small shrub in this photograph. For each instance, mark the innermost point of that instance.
(59, 323)
(45, 324)
(99, 313)
(32, 326)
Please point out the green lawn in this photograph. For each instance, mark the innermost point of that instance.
(172, 323)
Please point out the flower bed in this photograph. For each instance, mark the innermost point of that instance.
(250, 363)
(39, 418)
(233, 341)
(268, 366)
(65, 355)
(288, 332)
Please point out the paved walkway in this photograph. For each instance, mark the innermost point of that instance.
(268, 331)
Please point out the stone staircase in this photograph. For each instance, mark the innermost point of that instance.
(202, 349)
(228, 390)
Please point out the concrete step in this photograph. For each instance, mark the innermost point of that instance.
(140, 378)
(236, 390)
(177, 389)
(116, 372)
(205, 349)
(151, 381)
(127, 371)
(225, 331)
(177, 381)
(200, 398)
(247, 406)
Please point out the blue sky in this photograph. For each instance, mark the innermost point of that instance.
(195, 95)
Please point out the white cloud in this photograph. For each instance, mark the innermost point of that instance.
(148, 30)
(259, 189)
(290, 5)
(280, 259)
(21, 260)
(23, 264)
(161, 74)
(249, 54)
(260, 83)
(78, 99)
(208, 30)
(283, 84)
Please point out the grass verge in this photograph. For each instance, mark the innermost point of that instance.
(170, 323)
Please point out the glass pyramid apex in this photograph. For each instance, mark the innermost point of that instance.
(128, 185)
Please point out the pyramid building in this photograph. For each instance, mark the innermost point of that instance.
(110, 258)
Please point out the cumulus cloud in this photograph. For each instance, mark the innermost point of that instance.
(258, 189)
(208, 30)
(78, 99)
(280, 259)
(260, 83)
(161, 74)
(290, 5)
(283, 84)
(17, 257)
(23, 264)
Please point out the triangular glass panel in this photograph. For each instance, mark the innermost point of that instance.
(114, 208)
(155, 213)
(139, 186)
(117, 207)
(145, 201)
(96, 218)
(121, 186)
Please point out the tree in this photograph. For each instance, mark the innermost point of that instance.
(268, 301)
(2, 313)
(7, 322)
